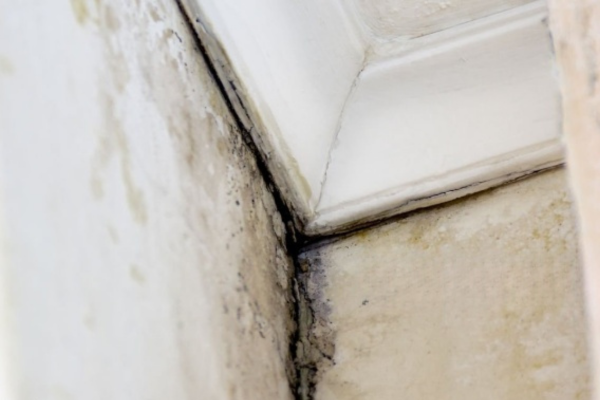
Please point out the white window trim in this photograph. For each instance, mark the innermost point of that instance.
(296, 71)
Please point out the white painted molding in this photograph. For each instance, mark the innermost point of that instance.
(465, 108)
(293, 64)
(354, 131)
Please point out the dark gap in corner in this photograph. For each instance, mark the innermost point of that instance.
(294, 239)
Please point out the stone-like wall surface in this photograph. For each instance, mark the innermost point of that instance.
(143, 256)
(575, 25)
(478, 299)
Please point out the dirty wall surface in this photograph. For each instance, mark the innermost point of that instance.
(143, 256)
(478, 299)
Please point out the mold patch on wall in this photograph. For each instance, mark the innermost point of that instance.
(480, 298)
(158, 245)
(315, 348)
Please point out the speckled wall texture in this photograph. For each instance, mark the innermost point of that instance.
(478, 299)
(143, 254)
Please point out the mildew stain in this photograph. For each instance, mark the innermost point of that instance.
(110, 20)
(135, 196)
(216, 181)
(6, 66)
(315, 349)
(195, 133)
(136, 275)
(112, 138)
(80, 11)
(100, 160)
(154, 14)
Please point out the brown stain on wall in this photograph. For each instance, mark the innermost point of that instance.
(135, 196)
(197, 135)
(112, 138)
(481, 298)
(202, 233)
(516, 324)
(136, 274)
(217, 182)
(113, 141)
(110, 22)
(80, 11)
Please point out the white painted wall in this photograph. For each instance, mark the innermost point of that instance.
(479, 299)
(142, 253)
(404, 19)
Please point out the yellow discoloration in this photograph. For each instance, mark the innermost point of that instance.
(6, 66)
(135, 197)
(113, 140)
(154, 14)
(478, 299)
(136, 274)
(80, 11)
(111, 22)
(97, 187)
(100, 161)
(151, 135)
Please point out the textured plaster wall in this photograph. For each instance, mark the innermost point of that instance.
(143, 255)
(575, 25)
(478, 299)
